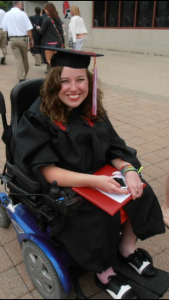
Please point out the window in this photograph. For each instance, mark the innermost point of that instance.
(99, 14)
(145, 10)
(131, 14)
(162, 14)
(112, 13)
(127, 13)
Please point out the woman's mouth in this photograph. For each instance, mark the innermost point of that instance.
(74, 97)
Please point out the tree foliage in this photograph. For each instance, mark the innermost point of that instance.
(6, 5)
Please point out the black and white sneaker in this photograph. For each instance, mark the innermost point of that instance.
(140, 264)
(116, 288)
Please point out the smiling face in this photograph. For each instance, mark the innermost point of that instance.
(74, 87)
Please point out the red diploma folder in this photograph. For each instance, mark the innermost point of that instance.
(97, 198)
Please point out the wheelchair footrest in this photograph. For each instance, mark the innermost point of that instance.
(142, 292)
(157, 285)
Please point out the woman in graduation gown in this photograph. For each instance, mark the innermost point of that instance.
(59, 139)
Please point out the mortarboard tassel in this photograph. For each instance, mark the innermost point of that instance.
(94, 103)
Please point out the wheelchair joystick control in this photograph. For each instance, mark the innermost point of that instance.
(55, 190)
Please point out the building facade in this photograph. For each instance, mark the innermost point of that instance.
(132, 26)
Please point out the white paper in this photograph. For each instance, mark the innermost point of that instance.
(117, 198)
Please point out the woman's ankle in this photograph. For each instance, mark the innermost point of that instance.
(104, 276)
(127, 250)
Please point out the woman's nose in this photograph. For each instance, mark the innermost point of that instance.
(73, 86)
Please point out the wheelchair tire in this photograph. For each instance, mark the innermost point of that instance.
(4, 219)
(146, 255)
(42, 272)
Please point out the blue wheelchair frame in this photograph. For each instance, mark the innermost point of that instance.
(24, 223)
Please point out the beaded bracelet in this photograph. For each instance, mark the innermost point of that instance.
(128, 168)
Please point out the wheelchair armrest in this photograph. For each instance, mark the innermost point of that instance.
(28, 180)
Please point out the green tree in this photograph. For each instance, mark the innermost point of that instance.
(6, 5)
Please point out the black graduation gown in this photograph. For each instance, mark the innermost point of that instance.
(92, 237)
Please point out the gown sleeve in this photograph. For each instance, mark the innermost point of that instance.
(119, 149)
(34, 147)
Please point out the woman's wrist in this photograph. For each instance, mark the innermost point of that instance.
(92, 181)
(127, 168)
(130, 168)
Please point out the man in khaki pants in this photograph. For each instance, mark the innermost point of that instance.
(19, 27)
(3, 39)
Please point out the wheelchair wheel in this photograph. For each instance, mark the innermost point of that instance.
(42, 272)
(146, 255)
(4, 219)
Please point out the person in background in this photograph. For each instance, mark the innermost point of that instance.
(43, 15)
(51, 30)
(19, 28)
(77, 28)
(3, 39)
(165, 206)
(36, 20)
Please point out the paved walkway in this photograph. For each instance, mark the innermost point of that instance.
(137, 100)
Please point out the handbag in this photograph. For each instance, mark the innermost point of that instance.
(60, 42)
(70, 45)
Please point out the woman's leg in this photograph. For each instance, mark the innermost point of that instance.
(127, 247)
(165, 206)
(128, 240)
(113, 284)
(79, 44)
(48, 55)
(134, 258)
(104, 276)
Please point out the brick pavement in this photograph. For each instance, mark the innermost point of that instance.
(137, 100)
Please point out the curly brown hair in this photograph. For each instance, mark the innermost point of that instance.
(56, 110)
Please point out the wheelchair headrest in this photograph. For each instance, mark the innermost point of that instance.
(22, 97)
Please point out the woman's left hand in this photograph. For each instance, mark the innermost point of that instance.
(134, 184)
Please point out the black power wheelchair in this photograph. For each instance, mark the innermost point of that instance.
(35, 216)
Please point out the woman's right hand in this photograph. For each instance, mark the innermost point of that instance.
(109, 185)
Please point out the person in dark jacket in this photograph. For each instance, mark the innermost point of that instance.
(51, 30)
(43, 14)
(60, 138)
(36, 20)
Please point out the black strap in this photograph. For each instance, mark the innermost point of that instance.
(56, 31)
(6, 137)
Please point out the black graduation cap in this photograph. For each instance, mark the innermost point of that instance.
(76, 60)
(70, 58)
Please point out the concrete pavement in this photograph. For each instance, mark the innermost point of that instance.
(136, 90)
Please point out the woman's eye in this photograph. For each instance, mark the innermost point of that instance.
(65, 81)
(80, 80)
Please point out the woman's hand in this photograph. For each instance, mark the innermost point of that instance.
(134, 184)
(108, 185)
